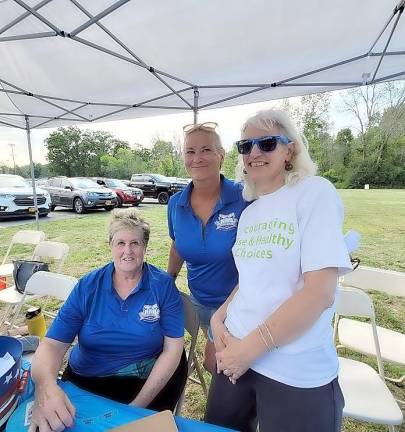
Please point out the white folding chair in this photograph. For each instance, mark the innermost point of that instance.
(192, 326)
(358, 336)
(50, 284)
(46, 250)
(56, 285)
(26, 237)
(367, 397)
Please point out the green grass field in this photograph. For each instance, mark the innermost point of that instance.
(379, 215)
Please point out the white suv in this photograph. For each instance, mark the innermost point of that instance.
(16, 197)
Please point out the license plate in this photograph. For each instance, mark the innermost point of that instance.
(31, 209)
(108, 202)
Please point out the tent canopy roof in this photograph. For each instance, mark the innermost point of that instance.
(65, 62)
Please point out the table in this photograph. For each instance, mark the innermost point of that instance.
(97, 414)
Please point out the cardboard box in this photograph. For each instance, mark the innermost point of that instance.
(162, 421)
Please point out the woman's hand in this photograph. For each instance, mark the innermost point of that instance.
(218, 330)
(52, 410)
(235, 359)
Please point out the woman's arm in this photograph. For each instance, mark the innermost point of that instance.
(162, 371)
(287, 323)
(175, 261)
(52, 409)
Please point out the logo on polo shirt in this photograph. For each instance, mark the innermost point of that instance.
(226, 221)
(150, 313)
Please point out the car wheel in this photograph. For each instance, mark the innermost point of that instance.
(119, 201)
(136, 204)
(52, 208)
(109, 208)
(163, 197)
(78, 206)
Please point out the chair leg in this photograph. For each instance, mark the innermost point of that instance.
(177, 410)
(200, 376)
(6, 314)
(16, 313)
(396, 380)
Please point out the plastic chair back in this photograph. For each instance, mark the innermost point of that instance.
(24, 237)
(354, 302)
(51, 284)
(55, 250)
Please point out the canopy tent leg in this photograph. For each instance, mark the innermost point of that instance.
(27, 123)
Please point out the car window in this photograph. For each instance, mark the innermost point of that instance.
(55, 182)
(115, 183)
(159, 177)
(65, 183)
(84, 183)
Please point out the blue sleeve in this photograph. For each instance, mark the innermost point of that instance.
(70, 317)
(171, 312)
(170, 209)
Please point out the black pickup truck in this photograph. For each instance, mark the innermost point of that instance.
(156, 186)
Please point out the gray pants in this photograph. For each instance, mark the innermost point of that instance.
(278, 407)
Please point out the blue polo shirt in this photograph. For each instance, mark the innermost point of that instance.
(207, 251)
(114, 333)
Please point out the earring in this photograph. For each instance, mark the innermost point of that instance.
(244, 171)
(288, 166)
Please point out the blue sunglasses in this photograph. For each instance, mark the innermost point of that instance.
(265, 144)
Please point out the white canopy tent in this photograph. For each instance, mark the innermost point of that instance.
(65, 62)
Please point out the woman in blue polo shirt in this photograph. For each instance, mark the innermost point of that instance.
(202, 220)
(128, 317)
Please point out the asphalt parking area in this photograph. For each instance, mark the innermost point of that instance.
(63, 213)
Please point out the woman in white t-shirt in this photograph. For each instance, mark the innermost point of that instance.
(273, 336)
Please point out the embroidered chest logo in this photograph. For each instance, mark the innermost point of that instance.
(226, 221)
(150, 313)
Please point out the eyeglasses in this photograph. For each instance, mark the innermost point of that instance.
(207, 126)
(265, 144)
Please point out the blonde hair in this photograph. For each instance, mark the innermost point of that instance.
(301, 161)
(127, 219)
(216, 139)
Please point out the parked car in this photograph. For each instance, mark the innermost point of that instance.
(125, 194)
(79, 194)
(17, 197)
(156, 186)
(179, 180)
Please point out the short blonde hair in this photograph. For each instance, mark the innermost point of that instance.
(216, 139)
(127, 219)
(303, 165)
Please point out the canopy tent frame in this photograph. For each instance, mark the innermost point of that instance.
(74, 114)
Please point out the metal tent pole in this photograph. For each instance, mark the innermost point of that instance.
(195, 108)
(27, 123)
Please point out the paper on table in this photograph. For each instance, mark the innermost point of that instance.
(159, 422)
(6, 362)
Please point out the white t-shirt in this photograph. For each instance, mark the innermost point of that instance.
(282, 235)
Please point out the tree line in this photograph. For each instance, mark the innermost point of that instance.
(373, 152)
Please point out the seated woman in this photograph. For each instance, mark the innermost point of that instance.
(128, 317)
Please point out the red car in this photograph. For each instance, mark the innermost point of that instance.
(125, 194)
